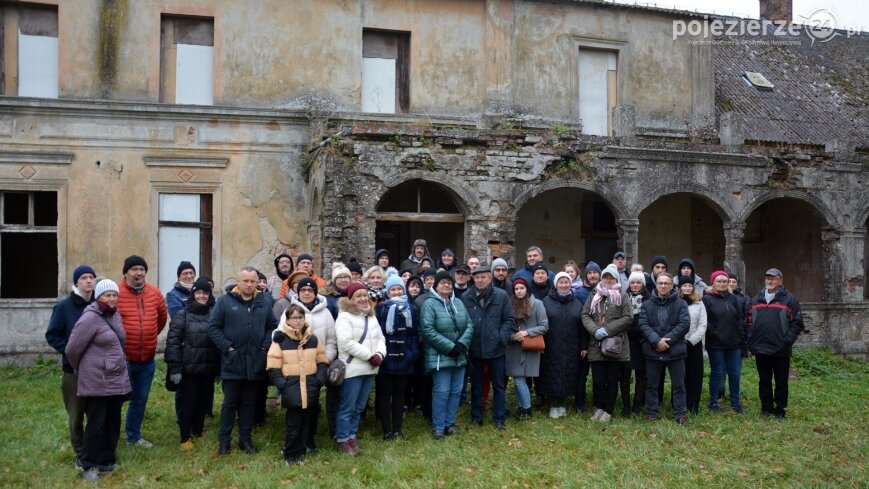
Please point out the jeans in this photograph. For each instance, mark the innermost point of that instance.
(769, 367)
(499, 390)
(719, 360)
(523, 393)
(239, 397)
(354, 398)
(447, 387)
(141, 377)
(654, 371)
(74, 410)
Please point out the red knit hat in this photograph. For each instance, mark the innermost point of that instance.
(354, 287)
(716, 274)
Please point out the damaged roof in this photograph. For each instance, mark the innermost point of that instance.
(820, 94)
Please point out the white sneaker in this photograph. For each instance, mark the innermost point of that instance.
(554, 413)
(596, 415)
(605, 416)
(141, 442)
(562, 412)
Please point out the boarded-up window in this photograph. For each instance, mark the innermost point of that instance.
(28, 245)
(598, 76)
(29, 53)
(184, 235)
(385, 71)
(187, 60)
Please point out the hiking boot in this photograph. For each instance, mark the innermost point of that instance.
(224, 449)
(141, 443)
(248, 447)
(452, 430)
(187, 446)
(355, 444)
(91, 475)
(500, 426)
(346, 447)
(477, 422)
(524, 414)
(437, 435)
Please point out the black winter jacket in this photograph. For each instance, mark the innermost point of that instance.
(63, 318)
(492, 316)
(189, 349)
(774, 326)
(566, 338)
(665, 317)
(247, 327)
(725, 315)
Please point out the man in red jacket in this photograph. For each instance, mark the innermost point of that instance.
(143, 312)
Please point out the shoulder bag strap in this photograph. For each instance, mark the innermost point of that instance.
(361, 339)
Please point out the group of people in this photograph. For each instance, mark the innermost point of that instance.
(415, 333)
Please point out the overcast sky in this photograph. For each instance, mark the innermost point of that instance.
(848, 13)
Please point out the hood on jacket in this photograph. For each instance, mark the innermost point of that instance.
(688, 262)
(347, 305)
(301, 335)
(284, 276)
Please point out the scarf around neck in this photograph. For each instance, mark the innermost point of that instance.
(613, 295)
(398, 304)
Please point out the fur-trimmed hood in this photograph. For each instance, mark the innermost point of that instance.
(347, 305)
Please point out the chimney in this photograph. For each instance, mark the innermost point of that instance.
(780, 12)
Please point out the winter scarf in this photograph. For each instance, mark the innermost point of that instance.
(397, 304)
(614, 295)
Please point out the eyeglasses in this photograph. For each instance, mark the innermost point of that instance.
(665, 283)
(296, 318)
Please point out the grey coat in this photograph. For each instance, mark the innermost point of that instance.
(96, 351)
(527, 363)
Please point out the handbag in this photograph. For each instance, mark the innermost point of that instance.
(612, 346)
(338, 368)
(533, 343)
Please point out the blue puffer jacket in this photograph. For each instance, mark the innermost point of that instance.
(176, 299)
(247, 327)
(402, 345)
(492, 315)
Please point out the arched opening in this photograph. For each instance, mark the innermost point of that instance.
(419, 209)
(568, 224)
(682, 225)
(785, 233)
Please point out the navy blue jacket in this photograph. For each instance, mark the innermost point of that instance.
(402, 346)
(527, 273)
(63, 318)
(665, 317)
(492, 316)
(176, 299)
(775, 326)
(247, 327)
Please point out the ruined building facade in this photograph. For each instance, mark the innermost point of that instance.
(224, 132)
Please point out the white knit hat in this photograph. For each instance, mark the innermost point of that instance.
(637, 277)
(105, 285)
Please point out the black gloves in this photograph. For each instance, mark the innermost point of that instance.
(458, 350)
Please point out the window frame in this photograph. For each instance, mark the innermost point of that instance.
(623, 53)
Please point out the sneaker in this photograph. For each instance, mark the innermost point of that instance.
(187, 446)
(105, 469)
(452, 430)
(141, 442)
(562, 412)
(437, 435)
(554, 413)
(297, 460)
(78, 466)
(91, 475)
(596, 415)
(477, 422)
(604, 416)
(524, 414)
(500, 426)
(355, 443)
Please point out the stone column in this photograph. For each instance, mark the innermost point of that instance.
(629, 238)
(831, 259)
(733, 261)
(491, 237)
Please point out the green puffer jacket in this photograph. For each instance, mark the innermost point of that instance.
(440, 333)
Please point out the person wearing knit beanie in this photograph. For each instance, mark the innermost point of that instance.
(716, 274)
(355, 269)
(439, 276)
(177, 298)
(355, 287)
(394, 281)
(610, 270)
(81, 270)
(657, 261)
(637, 277)
(105, 285)
(185, 265)
(338, 270)
(133, 261)
(308, 282)
(203, 284)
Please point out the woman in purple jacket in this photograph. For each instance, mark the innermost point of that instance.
(96, 352)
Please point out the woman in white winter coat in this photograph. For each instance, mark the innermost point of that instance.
(362, 347)
(694, 360)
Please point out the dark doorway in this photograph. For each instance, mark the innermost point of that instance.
(567, 224)
(418, 209)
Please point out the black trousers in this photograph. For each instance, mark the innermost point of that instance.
(654, 371)
(419, 388)
(259, 412)
(239, 397)
(333, 397)
(770, 367)
(102, 430)
(196, 394)
(694, 377)
(389, 400)
(605, 376)
(295, 433)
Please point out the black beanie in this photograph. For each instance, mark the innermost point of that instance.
(442, 275)
(134, 261)
(260, 275)
(185, 265)
(203, 284)
(659, 259)
(303, 257)
(380, 253)
(685, 279)
(308, 282)
(355, 266)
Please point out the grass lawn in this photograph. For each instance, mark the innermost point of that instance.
(823, 443)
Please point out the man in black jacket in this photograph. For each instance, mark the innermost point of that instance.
(664, 322)
(775, 323)
(490, 309)
(63, 317)
(241, 326)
